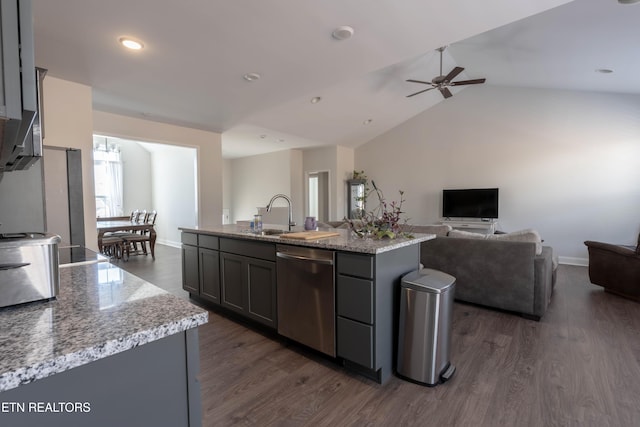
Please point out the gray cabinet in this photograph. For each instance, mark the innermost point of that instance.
(355, 308)
(366, 312)
(155, 384)
(248, 279)
(209, 274)
(17, 65)
(201, 266)
(190, 272)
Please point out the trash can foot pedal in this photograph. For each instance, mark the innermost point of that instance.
(448, 373)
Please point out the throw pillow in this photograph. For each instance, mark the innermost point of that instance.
(528, 235)
(466, 234)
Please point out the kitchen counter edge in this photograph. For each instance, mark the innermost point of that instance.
(346, 241)
(76, 328)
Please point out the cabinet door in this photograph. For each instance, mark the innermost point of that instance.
(232, 281)
(261, 288)
(355, 342)
(209, 275)
(190, 271)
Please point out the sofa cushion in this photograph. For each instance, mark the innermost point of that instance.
(440, 230)
(527, 235)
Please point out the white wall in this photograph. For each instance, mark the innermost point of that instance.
(136, 177)
(338, 161)
(566, 162)
(69, 124)
(227, 179)
(209, 154)
(344, 171)
(255, 179)
(174, 190)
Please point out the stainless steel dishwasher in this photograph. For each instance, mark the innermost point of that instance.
(306, 296)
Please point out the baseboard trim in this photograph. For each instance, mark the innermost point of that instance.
(169, 243)
(584, 262)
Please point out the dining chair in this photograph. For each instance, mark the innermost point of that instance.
(132, 239)
(113, 247)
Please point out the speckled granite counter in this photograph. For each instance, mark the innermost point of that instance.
(347, 241)
(101, 310)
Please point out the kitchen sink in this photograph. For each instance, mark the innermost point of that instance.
(272, 232)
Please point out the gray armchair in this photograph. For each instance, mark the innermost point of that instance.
(615, 267)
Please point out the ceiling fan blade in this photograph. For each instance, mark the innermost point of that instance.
(468, 82)
(446, 92)
(418, 93)
(419, 81)
(452, 75)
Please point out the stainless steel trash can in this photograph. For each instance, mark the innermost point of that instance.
(424, 327)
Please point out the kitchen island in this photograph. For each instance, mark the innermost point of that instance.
(111, 349)
(231, 268)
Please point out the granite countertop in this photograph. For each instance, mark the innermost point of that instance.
(346, 241)
(100, 310)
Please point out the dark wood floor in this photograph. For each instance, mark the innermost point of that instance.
(578, 366)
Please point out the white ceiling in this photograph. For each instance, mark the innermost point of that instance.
(196, 52)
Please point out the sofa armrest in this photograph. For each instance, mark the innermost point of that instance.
(617, 249)
(543, 265)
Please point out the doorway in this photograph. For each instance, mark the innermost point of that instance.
(318, 191)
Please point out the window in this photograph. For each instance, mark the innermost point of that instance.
(107, 169)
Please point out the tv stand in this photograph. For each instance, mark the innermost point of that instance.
(476, 225)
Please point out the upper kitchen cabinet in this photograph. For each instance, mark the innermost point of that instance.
(18, 87)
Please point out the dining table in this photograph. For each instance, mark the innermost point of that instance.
(111, 226)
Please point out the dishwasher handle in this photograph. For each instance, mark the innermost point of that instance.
(14, 265)
(284, 255)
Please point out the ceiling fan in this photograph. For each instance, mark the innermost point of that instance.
(442, 83)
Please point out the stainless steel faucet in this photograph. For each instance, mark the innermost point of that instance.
(282, 196)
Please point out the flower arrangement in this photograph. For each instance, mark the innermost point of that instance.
(384, 221)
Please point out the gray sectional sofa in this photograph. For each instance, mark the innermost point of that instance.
(510, 271)
(494, 271)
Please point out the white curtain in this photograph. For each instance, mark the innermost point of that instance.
(114, 173)
(107, 167)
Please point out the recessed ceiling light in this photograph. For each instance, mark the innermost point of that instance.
(628, 1)
(250, 77)
(316, 99)
(263, 136)
(604, 71)
(368, 121)
(342, 33)
(131, 43)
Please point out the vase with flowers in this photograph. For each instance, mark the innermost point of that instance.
(383, 221)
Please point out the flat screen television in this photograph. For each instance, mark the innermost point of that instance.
(470, 203)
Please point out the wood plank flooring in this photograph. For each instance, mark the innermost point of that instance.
(578, 366)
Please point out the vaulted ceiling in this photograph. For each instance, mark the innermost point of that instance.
(190, 71)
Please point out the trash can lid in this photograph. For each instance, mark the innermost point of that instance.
(428, 280)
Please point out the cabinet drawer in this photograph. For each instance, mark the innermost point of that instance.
(266, 251)
(355, 265)
(355, 298)
(209, 242)
(190, 239)
(355, 342)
